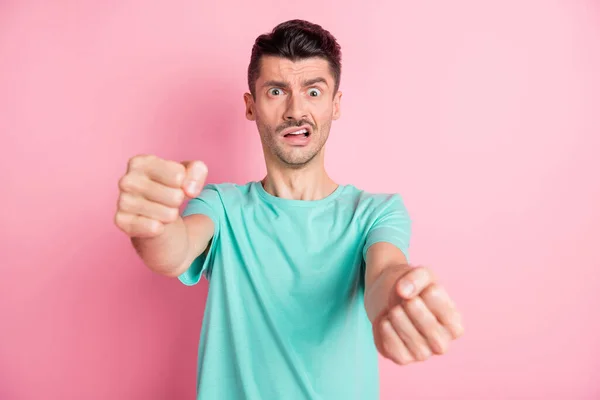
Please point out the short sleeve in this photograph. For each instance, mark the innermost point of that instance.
(391, 224)
(208, 203)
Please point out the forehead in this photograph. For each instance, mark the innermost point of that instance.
(283, 69)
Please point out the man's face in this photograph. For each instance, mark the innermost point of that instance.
(293, 109)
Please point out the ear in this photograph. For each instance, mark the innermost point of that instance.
(250, 112)
(336, 105)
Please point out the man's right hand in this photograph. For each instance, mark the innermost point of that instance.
(152, 191)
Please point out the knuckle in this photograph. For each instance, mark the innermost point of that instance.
(172, 214)
(118, 219)
(423, 354)
(179, 167)
(383, 324)
(444, 346)
(441, 346)
(128, 183)
(389, 349)
(396, 314)
(125, 202)
(405, 358)
(386, 344)
(178, 197)
(123, 183)
(179, 173)
(121, 222)
(154, 227)
(136, 162)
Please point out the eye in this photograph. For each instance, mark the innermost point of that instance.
(275, 92)
(314, 92)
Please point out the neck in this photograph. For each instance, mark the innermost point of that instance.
(311, 182)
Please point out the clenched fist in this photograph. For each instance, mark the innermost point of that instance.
(420, 320)
(152, 191)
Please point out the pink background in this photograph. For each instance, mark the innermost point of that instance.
(485, 116)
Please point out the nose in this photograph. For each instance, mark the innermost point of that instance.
(296, 108)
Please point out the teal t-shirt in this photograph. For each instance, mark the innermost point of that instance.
(285, 317)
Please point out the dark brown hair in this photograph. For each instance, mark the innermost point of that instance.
(296, 39)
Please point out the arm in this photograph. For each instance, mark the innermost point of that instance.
(385, 265)
(172, 252)
(411, 314)
(151, 194)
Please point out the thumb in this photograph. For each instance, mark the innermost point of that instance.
(196, 172)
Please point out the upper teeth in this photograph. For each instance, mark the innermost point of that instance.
(300, 132)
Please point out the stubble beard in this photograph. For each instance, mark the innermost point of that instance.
(295, 158)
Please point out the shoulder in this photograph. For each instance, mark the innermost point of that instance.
(226, 194)
(376, 203)
(226, 189)
(216, 198)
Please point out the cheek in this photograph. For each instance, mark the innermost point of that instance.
(269, 106)
(323, 107)
(324, 114)
(268, 115)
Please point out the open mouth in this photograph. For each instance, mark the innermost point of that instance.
(299, 133)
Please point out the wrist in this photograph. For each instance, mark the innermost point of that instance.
(377, 295)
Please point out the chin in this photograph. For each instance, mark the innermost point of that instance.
(294, 157)
(297, 161)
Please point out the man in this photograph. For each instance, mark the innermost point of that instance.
(308, 278)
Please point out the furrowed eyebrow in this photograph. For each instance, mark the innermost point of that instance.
(311, 82)
(306, 83)
(276, 83)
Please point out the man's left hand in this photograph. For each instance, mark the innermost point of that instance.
(420, 319)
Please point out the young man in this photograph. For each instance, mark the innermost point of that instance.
(308, 278)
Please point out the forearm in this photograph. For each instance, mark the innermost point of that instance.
(167, 253)
(377, 293)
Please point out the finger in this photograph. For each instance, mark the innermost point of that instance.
(428, 325)
(168, 173)
(413, 282)
(138, 184)
(405, 329)
(167, 196)
(138, 226)
(393, 347)
(138, 205)
(196, 172)
(443, 308)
